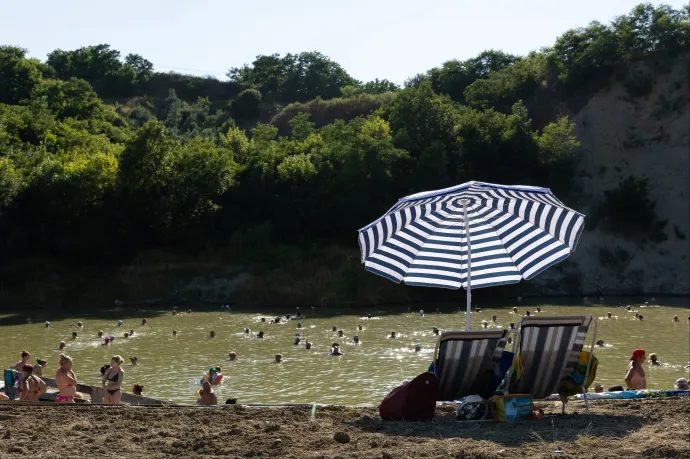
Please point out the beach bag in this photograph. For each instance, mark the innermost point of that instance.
(514, 407)
(573, 382)
(413, 401)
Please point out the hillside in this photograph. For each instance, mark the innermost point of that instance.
(120, 182)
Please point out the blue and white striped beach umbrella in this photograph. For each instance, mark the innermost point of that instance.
(515, 232)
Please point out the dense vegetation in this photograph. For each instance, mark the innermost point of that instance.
(101, 158)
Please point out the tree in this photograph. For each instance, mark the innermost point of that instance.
(19, 76)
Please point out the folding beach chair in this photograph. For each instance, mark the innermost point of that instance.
(467, 363)
(548, 349)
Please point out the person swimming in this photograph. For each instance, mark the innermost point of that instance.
(654, 360)
(369, 316)
(435, 330)
(485, 324)
(143, 322)
(276, 320)
(527, 313)
(675, 318)
(640, 317)
(247, 330)
(119, 323)
(100, 333)
(212, 334)
(421, 313)
(335, 349)
(359, 327)
(174, 333)
(355, 339)
(299, 325)
(538, 309)
(47, 323)
(307, 345)
(131, 333)
(515, 310)
(341, 334)
(493, 318)
(600, 343)
(233, 356)
(392, 336)
(74, 335)
(126, 335)
(62, 345)
(112, 381)
(417, 348)
(296, 340)
(134, 360)
(260, 335)
(278, 358)
(263, 319)
(334, 329)
(609, 315)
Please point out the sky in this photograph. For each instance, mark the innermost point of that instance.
(369, 38)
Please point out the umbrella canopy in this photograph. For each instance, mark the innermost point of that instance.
(471, 235)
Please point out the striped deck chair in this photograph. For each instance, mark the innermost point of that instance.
(466, 360)
(547, 351)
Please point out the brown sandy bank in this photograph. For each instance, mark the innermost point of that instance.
(614, 429)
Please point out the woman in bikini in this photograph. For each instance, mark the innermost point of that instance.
(66, 380)
(32, 386)
(112, 381)
(26, 355)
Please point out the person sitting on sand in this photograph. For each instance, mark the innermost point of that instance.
(38, 368)
(260, 335)
(355, 339)
(654, 360)
(278, 358)
(66, 380)
(233, 356)
(32, 387)
(335, 349)
(112, 381)
(682, 384)
(307, 345)
(598, 388)
(138, 389)
(635, 378)
(208, 397)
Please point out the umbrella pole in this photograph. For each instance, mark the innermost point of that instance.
(469, 263)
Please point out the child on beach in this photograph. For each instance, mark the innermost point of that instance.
(208, 397)
(635, 378)
(112, 381)
(65, 380)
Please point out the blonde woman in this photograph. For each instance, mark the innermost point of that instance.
(66, 380)
(112, 381)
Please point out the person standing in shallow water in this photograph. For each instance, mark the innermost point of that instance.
(112, 381)
(635, 378)
(65, 380)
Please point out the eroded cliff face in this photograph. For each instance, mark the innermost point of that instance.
(648, 137)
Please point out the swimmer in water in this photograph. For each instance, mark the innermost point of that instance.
(640, 317)
(512, 326)
(355, 339)
(74, 335)
(476, 309)
(515, 310)
(675, 318)
(143, 322)
(341, 334)
(134, 360)
(435, 330)
(392, 335)
(276, 320)
(31, 386)
(299, 325)
(654, 360)
(493, 318)
(307, 345)
(212, 334)
(368, 316)
(106, 341)
(263, 319)
(47, 324)
(126, 335)
(359, 327)
(174, 333)
(260, 335)
(334, 328)
(417, 348)
(609, 315)
(119, 323)
(279, 358)
(247, 331)
(485, 324)
(138, 389)
(527, 313)
(131, 333)
(26, 355)
(538, 309)
(233, 356)
(297, 340)
(335, 349)
(421, 313)
(600, 343)
(62, 345)
(80, 324)
(100, 333)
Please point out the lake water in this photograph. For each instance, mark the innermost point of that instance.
(171, 366)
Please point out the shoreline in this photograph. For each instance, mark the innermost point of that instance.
(625, 428)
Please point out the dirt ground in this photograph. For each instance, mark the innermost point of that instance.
(614, 429)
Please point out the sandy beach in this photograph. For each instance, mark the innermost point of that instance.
(614, 429)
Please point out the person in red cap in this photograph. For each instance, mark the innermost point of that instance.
(635, 379)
